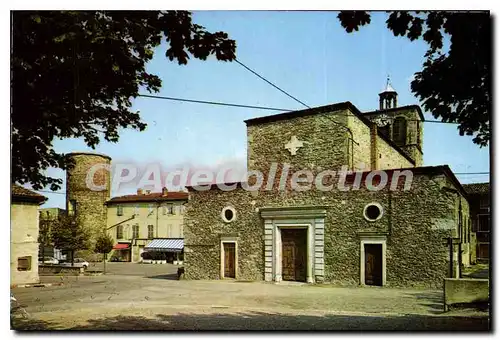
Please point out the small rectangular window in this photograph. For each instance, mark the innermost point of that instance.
(119, 232)
(136, 210)
(150, 209)
(484, 202)
(483, 223)
(483, 250)
(164, 209)
(135, 231)
(24, 263)
(119, 210)
(150, 231)
(170, 209)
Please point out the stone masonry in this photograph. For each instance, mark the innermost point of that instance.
(415, 222)
(91, 210)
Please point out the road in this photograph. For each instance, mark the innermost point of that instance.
(152, 299)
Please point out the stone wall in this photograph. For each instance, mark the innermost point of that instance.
(62, 270)
(91, 209)
(414, 131)
(326, 144)
(361, 147)
(24, 241)
(51, 213)
(415, 221)
(204, 228)
(466, 291)
(388, 157)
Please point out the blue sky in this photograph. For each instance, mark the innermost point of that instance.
(309, 55)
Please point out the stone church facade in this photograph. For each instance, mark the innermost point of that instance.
(359, 233)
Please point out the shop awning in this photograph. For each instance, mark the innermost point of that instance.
(119, 246)
(174, 245)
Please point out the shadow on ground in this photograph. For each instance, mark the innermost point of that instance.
(268, 321)
(433, 301)
(164, 277)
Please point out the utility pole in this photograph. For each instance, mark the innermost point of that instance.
(450, 242)
(460, 234)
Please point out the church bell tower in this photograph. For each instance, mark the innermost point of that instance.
(388, 99)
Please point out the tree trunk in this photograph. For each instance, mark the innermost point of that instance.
(72, 257)
(43, 253)
(104, 260)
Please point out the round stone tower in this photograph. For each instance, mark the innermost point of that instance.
(88, 187)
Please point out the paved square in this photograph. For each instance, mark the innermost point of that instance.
(153, 299)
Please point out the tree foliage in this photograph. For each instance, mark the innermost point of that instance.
(455, 84)
(44, 232)
(74, 74)
(69, 234)
(104, 244)
(44, 235)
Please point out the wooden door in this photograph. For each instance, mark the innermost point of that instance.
(373, 264)
(294, 254)
(229, 260)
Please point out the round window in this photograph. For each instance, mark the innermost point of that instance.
(373, 211)
(228, 214)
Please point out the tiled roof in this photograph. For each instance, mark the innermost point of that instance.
(151, 197)
(20, 193)
(477, 188)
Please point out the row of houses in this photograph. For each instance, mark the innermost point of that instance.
(147, 225)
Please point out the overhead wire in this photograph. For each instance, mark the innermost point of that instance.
(260, 107)
(270, 83)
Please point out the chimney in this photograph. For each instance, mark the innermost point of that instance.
(373, 147)
(139, 191)
(164, 191)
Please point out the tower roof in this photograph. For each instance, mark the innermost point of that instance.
(388, 87)
(86, 153)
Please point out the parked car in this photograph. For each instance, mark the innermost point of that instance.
(117, 259)
(77, 262)
(47, 260)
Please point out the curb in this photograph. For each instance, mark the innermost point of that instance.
(37, 285)
(92, 273)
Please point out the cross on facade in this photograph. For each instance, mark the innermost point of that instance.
(293, 145)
